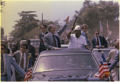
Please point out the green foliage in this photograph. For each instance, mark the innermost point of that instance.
(36, 31)
(92, 13)
(2, 4)
(25, 24)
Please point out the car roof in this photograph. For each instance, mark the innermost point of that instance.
(64, 51)
(109, 48)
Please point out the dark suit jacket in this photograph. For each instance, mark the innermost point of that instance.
(48, 41)
(17, 56)
(102, 40)
(32, 51)
(114, 62)
(41, 47)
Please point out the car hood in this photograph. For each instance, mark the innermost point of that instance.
(65, 75)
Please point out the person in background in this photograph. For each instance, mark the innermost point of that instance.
(22, 58)
(31, 49)
(77, 40)
(6, 62)
(18, 45)
(41, 36)
(14, 49)
(99, 41)
(111, 56)
(113, 65)
(52, 39)
(84, 33)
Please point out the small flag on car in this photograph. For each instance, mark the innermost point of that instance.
(28, 74)
(103, 69)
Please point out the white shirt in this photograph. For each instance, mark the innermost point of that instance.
(24, 59)
(5, 70)
(75, 42)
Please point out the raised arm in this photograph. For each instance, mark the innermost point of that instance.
(64, 27)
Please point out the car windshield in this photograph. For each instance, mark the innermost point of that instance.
(47, 63)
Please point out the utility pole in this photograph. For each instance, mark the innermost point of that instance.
(42, 18)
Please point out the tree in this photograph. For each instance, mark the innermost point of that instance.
(36, 31)
(25, 24)
(92, 13)
(2, 5)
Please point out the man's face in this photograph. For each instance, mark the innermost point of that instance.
(85, 28)
(28, 43)
(43, 29)
(2, 50)
(77, 33)
(23, 49)
(96, 34)
(14, 48)
(52, 30)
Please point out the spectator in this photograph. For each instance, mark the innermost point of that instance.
(14, 49)
(99, 41)
(21, 58)
(41, 36)
(6, 61)
(31, 49)
(83, 33)
(77, 40)
(113, 65)
(111, 56)
(18, 45)
(52, 39)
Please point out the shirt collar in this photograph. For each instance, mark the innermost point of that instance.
(79, 36)
(43, 33)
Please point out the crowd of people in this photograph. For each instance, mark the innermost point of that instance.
(51, 40)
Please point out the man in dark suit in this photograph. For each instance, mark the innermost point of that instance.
(41, 36)
(22, 58)
(52, 39)
(99, 41)
(6, 61)
(31, 49)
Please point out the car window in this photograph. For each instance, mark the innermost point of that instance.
(65, 62)
(35, 43)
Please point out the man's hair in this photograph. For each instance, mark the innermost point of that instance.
(24, 44)
(96, 31)
(28, 40)
(43, 25)
(50, 26)
(2, 44)
(84, 25)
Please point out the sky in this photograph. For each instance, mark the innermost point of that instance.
(52, 10)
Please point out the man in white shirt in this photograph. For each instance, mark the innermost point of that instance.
(77, 40)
